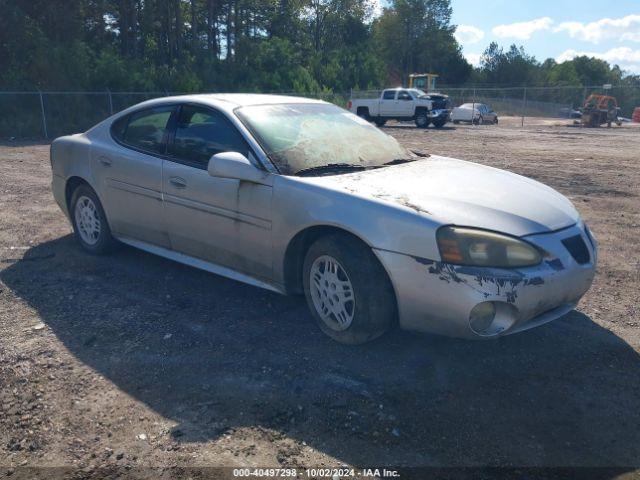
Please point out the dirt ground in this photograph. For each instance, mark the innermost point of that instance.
(132, 361)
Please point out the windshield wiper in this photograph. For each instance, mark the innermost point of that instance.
(330, 167)
(398, 161)
(420, 153)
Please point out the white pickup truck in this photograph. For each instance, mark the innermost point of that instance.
(404, 104)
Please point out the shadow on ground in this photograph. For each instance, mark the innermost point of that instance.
(563, 394)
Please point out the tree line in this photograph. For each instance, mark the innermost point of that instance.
(305, 46)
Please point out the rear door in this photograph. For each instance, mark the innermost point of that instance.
(220, 220)
(129, 174)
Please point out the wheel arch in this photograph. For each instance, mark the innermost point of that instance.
(363, 110)
(299, 245)
(71, 184)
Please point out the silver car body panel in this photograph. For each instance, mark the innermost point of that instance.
(201, 264)
(242, 230)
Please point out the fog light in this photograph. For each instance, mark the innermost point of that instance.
(481, 317)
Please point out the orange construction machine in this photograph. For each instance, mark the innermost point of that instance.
(600, 109)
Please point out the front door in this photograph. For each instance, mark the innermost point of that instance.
(388, 103)
(223, 221)
(129, 175)
(404, 104)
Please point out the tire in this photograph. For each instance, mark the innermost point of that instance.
(456, 122)
(363, 113)
(495, 122)
(89, 221)
(478, 121)
(380, 122)
(422, 120)
(439, 123)
(370, 309)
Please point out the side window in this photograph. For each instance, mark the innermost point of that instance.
(201, 133)
(404, 95)
(389, 95)
(145, 130)
(118, 128)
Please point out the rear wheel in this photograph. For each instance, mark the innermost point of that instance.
(363, 113)
(89, 221)
(347, 290)
(422, 120)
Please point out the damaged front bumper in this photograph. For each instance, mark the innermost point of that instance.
(439, 113)
(438, 297)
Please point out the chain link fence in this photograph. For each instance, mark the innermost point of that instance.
(547, 102)
(51, 114)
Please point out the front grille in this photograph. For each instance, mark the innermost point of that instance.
(578, 249)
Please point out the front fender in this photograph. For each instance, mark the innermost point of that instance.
(299, 204)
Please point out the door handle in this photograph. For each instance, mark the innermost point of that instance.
(106, 161)
(178, 182)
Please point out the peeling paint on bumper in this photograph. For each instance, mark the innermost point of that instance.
(437, 297)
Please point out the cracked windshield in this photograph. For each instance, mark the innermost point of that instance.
(313, 137)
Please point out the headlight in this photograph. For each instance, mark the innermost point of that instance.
(467, 246)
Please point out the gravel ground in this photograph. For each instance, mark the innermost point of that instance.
(133, 361)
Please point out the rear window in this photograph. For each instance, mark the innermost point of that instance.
(144, 130)
(118, 127)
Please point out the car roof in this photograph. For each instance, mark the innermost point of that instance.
(226, 101)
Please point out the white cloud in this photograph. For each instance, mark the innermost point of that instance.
(626, 57)
(473, 58)
(621, 29)
(468, 34)
(522, 30)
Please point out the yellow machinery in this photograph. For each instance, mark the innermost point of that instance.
(423, 81)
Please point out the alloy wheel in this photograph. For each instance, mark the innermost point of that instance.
(332, 293)
(87, 220)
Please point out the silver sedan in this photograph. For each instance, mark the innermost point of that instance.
(477, 113)
(300, 196)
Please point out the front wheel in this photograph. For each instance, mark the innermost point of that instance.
(89, 222)
(347, 290)
(439, 123)
(478, 121)
(422, 120)
(380, 122)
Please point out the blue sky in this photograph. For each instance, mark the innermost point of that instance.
(560, 29)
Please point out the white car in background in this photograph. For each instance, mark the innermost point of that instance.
(477, 113)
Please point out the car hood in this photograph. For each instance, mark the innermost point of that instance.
(451, 191)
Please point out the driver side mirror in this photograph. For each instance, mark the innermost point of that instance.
(235, 165)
